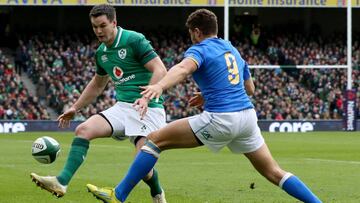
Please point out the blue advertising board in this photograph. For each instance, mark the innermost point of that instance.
(11, 126)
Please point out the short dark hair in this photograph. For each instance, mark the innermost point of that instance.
(103, 9)
(204, 20)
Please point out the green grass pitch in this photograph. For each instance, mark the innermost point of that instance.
(328, 162)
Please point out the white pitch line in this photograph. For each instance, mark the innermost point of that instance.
(333, 161)
(92, 145)
(9, 140)
(7, 165)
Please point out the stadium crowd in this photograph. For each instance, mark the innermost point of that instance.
(61, 66)
(16, 102)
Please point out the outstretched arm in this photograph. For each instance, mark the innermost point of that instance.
(95, 87)
(158, 69)
(175, 75)
(92, 90)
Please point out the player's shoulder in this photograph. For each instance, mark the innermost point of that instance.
(99, 51)
(101, 48)
(132, 35)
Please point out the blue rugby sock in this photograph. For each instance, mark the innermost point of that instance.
(296, 188)
(141, 166)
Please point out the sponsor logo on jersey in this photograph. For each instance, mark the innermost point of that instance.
(291, 127)
(118, 72)
(122, 80)
(104, 58)
(122, 53)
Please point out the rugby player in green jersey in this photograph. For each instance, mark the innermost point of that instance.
(129, 60)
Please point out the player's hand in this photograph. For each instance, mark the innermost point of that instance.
(141, 105)
(152, 91)
(197, 100)
(65, 118)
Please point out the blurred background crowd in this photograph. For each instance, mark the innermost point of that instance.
(60, 66)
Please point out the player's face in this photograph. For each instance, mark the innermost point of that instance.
(104, 29)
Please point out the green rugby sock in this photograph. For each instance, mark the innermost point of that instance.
(77, 154)
(154, 184)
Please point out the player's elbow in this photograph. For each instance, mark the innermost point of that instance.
(249, 87)
(182, 71)
(98, 84)
(250, 92)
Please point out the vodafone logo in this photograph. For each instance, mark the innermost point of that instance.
(118, 72)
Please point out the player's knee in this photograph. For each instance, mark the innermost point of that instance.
(83, 131)
(152, 137)
(151, 148)
(157, 139)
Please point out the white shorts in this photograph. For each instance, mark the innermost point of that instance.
(236, 130)
(125, 121)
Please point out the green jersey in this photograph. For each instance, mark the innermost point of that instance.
(124, 62)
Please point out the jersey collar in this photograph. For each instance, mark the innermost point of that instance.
(116, 42)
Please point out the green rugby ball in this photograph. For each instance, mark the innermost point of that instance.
(45, 149)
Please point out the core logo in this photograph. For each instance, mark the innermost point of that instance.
(291, 127)
(12, 127)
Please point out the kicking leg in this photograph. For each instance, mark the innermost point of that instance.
(95, 127)
(264, 163)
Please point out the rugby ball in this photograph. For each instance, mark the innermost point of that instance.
(45, 149)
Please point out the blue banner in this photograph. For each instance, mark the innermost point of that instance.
(11, 126)
(350, 113)
(301, 125)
